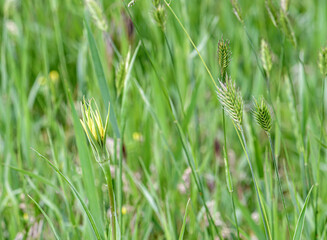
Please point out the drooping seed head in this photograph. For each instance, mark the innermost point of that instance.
(272, 11)
(97, 14)
(121, 73)
(224, 57)
(231, 99)
(237, 10)
(262, 115)
(159, 16)
(323, 61)
(266, 57)
(92, 123)
(286, 27)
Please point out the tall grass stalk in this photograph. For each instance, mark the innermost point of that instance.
(105, 166)
(279, 181)
(224, 58)
(262, 211)
(323, 69)
(228, 175)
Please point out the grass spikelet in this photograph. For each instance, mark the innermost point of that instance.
(272, 11)
(97, 14)
(262, 115)
(121, 73)
(266, 57)
(286, 27)
(224, 57)
(159, 16)
(323, 61)
(237, 10)
(231, 99)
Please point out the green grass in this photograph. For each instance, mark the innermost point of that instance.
(179, 164)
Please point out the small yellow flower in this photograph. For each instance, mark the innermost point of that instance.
(137, 136)
(54, 76)
(25, 216)
(92, 124)
(123, 210)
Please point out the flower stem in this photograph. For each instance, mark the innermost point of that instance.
(228, 176)
(106, 171)
(279, 182)
(267, 232)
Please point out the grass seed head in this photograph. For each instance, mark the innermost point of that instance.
(159, 16)
(224, 57)
(266, 57)
(231, 99)
(273, 12)
(237, 10)
(323, 61)
(286, 27)
(122, 72)
(262, 115)
(97, 14)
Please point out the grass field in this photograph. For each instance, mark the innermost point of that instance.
(188, 153)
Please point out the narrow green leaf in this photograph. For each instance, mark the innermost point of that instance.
(181, 235)
(46, 217)
(86, 210)
(101, 78)
(300, 221)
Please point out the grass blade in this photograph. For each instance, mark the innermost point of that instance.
(181, 235)
(87, 211)
(300, 221)
(46, 217)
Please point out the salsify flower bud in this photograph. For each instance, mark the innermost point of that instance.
(93, 126)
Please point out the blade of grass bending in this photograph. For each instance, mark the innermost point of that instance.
(86, 210)
(46, 217)
(300, 221)
(181, 235)
(31, 174)
(101, 78)
(86, 165)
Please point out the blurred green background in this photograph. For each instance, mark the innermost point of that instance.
(46, 56)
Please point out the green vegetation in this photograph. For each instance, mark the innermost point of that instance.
(163, 120)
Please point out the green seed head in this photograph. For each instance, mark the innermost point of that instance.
(97, 14)
(262, 115)
(159, 16)
(323, 61)
(232, 101)
(121, 73)
(224, 57)
(266, 57)
(237, 10)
